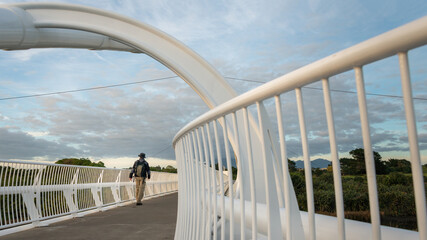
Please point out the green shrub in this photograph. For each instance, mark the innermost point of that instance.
(324, 200)
(397, 200)
(396, 178)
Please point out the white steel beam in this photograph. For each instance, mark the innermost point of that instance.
(35, 25)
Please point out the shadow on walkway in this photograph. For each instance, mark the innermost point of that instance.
(155, 219)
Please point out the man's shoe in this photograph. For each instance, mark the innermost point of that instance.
(138, 203)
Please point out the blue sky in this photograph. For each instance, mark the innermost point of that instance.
(255, 40)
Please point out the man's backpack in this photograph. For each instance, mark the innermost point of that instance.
(140, 169)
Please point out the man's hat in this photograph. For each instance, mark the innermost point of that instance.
(141, 155)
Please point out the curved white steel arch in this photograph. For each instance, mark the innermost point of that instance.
(26, 25)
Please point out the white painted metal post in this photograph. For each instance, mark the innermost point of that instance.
(336, 168)
(285, 169)
(240, 176)
(273, 217)
(417, 171)
(307, 164)
(213, 187)
(221, 179)
(369, 157)
(251, 174)
(206, 177)
(202, 186)
(230, 175)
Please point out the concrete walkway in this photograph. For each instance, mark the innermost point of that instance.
(155, 219)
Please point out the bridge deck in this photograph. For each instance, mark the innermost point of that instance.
(155, 219)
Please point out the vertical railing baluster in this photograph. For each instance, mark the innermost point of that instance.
(180, 224)
(285, 170)
(267, 183)
(192, 199)
(13, 195)
(213, 187)
(221, 179)
(27, 182)
(207, 179)
(202, 185)
(230, 176)
(239, 175)
(50, 190)
(188, 188)
(182, 228)
(8, 193)
(369, 157)
(57, 195)
(60, 193)
(44, 190)
(416, 168)
(69, 178)
(251, 173)
(19, 190)
(22, 184)
(307, 164)
(336, 168)
(40, 195)
(80, 194)
(54, 192)
(2, 184)
(16, 192)
(185, 187)
(197, 189)
(64, 181)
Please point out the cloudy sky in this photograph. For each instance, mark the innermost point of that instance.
(245, 40)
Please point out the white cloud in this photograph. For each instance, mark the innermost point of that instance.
(18, 145)
(126, 162)
(38, 134)
(26, 55)
(4, 118)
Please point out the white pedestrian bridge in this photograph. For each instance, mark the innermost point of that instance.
(261, 202)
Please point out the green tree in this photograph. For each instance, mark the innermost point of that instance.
(351, 166)
(292, 166)
(356, 165)
(399, 165)
(156, 168)
(169, 169)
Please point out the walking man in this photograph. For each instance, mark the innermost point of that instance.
(140, 170)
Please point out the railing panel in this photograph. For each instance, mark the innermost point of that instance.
(268, 209)
(33, 192)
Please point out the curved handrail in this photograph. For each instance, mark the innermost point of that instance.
(374, 49)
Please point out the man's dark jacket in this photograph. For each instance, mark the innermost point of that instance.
(145, 170)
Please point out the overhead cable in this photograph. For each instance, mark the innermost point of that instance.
(88, 89)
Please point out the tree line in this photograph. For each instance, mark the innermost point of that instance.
(88, 162)
(80, 162)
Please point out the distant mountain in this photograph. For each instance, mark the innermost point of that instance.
(317, 163)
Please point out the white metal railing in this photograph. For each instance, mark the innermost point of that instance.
(268, 210)
(32, 192)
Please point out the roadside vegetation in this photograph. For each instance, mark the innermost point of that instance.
(395, 190)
